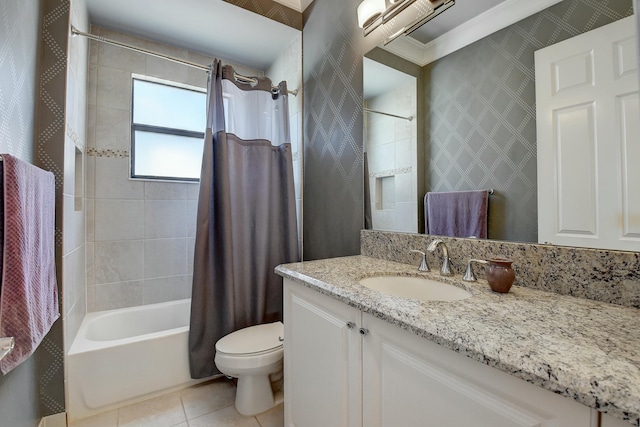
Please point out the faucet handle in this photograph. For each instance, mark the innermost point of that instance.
(469, 276)
(423, 264)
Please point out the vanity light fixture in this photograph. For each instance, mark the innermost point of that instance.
(389, 17)
(369, 11)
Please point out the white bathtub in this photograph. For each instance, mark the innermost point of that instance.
(126, 355)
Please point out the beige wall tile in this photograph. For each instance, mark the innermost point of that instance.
(165, 218)
(118, 295)
(113, 129)
(113, 88)
(119, 219)
(165, 257)
(118, 261)
(165, 289)
(112, 180)
(154, 190)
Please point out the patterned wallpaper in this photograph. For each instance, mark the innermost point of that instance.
(19, 31)
(18, 56)
(333, 168)
(481, 127)
(50, 156)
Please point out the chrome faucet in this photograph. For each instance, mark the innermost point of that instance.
(423, 264)
(469, 276)
(445, 269)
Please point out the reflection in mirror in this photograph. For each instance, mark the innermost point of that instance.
(390, 138)
(479, 108)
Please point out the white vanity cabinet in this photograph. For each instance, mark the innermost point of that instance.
(347, 368)
(322, 360)
(411, 381)
(609, 421)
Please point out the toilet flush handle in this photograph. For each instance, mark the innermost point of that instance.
(280, 339)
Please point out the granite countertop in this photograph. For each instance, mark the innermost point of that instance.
(583, 349)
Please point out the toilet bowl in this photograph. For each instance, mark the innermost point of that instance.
(253, 355)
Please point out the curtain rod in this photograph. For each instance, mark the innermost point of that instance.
(367, 110)
(239, 78)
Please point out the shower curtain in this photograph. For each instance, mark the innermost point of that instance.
(246, 219)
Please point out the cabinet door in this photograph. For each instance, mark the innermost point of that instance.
(322, 360)
(609, 421)
(409, 381)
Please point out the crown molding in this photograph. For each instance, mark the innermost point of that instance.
(489, 22)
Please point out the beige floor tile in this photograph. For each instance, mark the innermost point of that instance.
(108, 419)
(227, 417)
(208, 397)
(272, 418)
(184, 424)
(163, 411)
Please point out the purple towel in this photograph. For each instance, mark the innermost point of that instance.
(28, 296)
(457, 213)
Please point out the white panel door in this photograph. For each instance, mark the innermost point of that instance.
(589, 139)
(322, 360)
(410, 381)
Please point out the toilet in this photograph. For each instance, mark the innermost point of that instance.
(253, 355)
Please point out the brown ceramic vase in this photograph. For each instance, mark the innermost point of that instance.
(500, 275)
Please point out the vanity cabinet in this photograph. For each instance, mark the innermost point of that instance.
(348, 368)
(322, 360)
(609, 421)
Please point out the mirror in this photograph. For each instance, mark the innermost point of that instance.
(390, 139)
(476, 124)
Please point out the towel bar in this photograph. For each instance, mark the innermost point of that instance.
(6, 345)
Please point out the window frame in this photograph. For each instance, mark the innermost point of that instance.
(158, 129)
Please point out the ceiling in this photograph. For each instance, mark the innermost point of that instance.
(211, 27)
(217, 28)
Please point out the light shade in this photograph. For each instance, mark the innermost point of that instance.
(369, 11)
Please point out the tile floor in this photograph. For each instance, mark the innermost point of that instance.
(208, 404)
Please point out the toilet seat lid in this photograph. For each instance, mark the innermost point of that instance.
(251, 340)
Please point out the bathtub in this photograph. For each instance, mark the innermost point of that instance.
(127, 355)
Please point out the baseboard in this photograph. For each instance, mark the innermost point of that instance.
(56, 420)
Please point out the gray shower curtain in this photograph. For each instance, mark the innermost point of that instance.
(246, 220)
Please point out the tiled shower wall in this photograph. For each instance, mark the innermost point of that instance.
(391, 145)
(480, 121)
(73, 242)
(288, 67)
(141, 234)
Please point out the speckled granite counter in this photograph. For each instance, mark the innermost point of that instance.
(583, 349)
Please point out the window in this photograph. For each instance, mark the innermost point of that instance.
(167, 130)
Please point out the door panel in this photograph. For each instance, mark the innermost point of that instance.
(322, 361)
(410, 381)
(588, 134)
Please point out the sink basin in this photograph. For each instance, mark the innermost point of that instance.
(415, 287)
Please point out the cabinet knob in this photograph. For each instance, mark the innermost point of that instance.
(351, 325)
(364, 331)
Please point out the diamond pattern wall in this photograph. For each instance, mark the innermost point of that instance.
(333, 165)
(50, 156)
(18, 37)
(481, 127)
